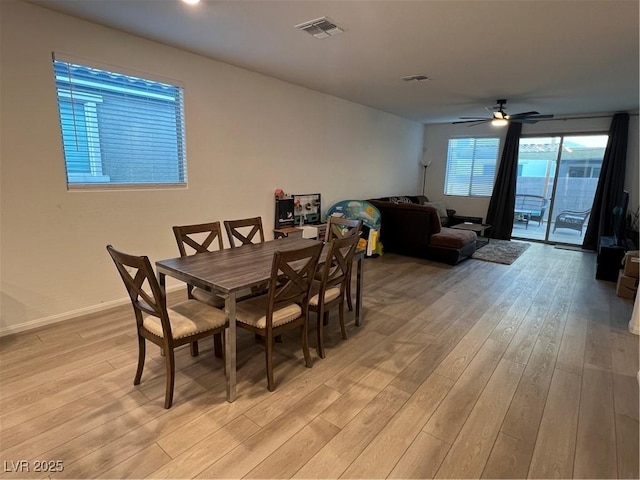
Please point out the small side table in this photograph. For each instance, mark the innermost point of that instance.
(479, 228)
(523, 216)
(287, 232)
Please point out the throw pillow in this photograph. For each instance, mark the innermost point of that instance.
(400, 199)
(441, 207)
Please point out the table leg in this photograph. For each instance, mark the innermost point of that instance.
(359, 281)
(230, 347)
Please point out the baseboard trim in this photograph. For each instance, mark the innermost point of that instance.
(73, 314)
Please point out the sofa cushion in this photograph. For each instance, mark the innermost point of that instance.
(441, 207)
(414, 215)
(417, 199)
(401, 199)
(452, 238)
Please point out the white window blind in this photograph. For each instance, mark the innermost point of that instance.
(471, 166)
(119, 129)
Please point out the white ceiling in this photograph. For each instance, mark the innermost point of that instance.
(568, 57)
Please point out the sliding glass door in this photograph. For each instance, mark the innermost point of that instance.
(557, 179)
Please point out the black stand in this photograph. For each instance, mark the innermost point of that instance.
(610, 258)
(284, 213)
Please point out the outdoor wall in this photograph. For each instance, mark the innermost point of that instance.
(437, 137)
(571, 194)
(246, 134)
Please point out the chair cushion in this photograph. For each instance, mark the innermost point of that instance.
(187, 318)
(253, 312)
(329, 295)
(208, 297)
(450, 237)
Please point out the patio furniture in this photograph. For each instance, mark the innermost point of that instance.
(529, 207)
(571, 219)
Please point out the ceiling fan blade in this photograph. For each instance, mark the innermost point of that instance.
(476, 121)
(523, 114)
(523, 120)
(498, 114)
(473, 124)
(541, 117)
(531, 119)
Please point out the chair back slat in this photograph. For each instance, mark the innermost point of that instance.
(136, 272)
(236, 231)
(337, 267)
(292, 272)
(338, 227)
(188, 235)
(149, 300)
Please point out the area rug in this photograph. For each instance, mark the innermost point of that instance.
(500, 251)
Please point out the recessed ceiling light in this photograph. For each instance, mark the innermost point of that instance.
(191, 2)
(320, 28)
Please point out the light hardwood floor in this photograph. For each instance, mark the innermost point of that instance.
(475, 371)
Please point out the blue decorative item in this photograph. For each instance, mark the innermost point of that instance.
(357, 210)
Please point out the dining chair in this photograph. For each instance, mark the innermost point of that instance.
(330, 291)
(285, 305)
(338, 227)
(168, 328)
(201, 238)
(236, 231)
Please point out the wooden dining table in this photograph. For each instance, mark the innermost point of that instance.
(230, 271)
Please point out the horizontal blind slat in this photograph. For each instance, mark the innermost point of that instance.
(471, 164)
(119, 129)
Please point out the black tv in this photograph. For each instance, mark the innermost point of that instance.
(620, 220)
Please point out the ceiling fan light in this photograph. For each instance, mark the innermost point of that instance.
(499, 122)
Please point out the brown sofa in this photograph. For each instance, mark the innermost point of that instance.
(416, 230)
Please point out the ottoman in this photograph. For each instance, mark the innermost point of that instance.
(452, 245)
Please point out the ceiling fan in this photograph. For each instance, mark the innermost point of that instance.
(500, 118)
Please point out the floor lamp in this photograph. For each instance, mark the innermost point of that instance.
(425, 164)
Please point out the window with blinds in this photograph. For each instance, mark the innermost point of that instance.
(118, 129)
(471, 166)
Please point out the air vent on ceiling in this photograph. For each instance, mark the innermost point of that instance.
(416, 78)
(320, 28)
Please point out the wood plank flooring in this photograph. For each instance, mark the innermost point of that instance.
(480, 370)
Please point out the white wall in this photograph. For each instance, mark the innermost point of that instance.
(247, 134)
(437, 137)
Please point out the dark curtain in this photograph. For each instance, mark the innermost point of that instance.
(610, 183)
(503, 199)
